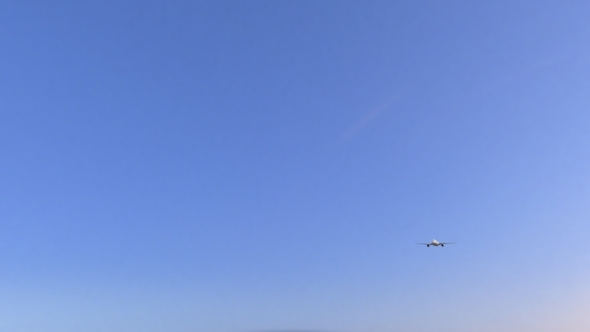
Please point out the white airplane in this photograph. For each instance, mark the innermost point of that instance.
(436, 243)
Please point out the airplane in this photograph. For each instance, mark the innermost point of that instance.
(436, 243)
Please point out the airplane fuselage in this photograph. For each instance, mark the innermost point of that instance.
(435, 243)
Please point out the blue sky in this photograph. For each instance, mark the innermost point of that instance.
(246, 166)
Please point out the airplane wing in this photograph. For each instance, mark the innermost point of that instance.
(424, 243)
(447, 242)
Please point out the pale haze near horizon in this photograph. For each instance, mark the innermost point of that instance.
(259, 166)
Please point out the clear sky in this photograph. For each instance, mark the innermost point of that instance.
(186, 166)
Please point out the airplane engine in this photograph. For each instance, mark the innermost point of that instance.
(442, 245)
